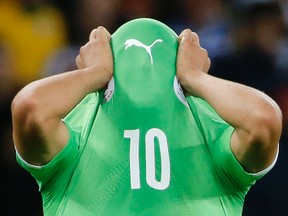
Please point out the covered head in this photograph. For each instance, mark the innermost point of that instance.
(144, 53)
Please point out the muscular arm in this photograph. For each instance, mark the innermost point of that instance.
(38, 108)
(256, 117)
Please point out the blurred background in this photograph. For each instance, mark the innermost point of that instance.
(246, 39)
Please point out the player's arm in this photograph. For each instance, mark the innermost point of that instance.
(256, 118)
(38, 131)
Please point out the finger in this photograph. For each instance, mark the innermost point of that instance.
(207, 59)
(93, 35)
(184, 34)
(103, 33)
(99, 33)
(187, 34)
(78, 62)
(195, 38)
(207, 64)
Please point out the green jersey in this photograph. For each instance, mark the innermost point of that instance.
(141, 147)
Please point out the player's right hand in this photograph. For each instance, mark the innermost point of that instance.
(97, 54)
(192, 61)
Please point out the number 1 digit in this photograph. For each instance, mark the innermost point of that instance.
(134, 157)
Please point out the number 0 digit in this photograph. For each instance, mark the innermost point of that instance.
(150, 159)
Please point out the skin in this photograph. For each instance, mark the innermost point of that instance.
(39, 134)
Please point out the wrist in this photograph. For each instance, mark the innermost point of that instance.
(98, 76)
(193, 81)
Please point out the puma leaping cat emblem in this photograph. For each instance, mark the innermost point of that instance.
(135, 42)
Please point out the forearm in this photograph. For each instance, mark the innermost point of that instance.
(55, 96)
(38, 109)
(238, 104)
(255, 116)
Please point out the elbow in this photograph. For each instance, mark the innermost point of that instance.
(273, 122)
(268, 127)
(262, 140)
(24, 110)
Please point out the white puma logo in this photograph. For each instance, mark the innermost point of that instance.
(135, 42)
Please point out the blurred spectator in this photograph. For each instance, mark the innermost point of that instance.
(131, 9)
(284, 5)
(83, 16)
(257, 37)
(91, 14)
(210, 19)
(32, 29)
(282, 54)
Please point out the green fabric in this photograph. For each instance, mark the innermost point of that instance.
(140, 147)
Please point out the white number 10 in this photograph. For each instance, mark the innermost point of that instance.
(151, 180)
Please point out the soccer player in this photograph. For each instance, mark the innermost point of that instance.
(143, 129)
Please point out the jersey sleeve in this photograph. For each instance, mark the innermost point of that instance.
(228, 166)
(78, 122)
(60, 165)
(216, 134)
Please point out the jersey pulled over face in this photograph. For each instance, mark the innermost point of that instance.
(145, 63)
